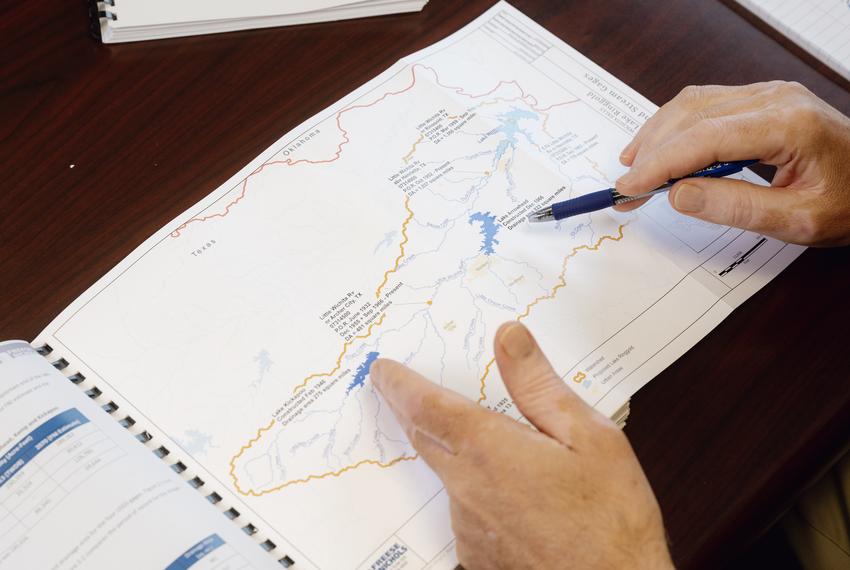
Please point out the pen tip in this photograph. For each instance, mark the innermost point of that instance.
(544, 215)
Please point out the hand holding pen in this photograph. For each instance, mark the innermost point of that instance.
(609, 197)
(784, 125)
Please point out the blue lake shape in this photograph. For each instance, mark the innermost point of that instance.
(362, 372)
(489, 229)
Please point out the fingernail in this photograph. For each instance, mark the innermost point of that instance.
(516, 341)
(624, 180)
(689, 198)
(375, 373)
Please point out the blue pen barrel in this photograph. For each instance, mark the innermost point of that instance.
(718, 170)
(583, 204)
(605, 198)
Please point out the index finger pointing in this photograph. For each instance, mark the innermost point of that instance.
(422, 406)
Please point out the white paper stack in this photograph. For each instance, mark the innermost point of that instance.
(621, 415)
(135, 20)
(821, 27)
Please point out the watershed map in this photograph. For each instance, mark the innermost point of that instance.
(393, 225)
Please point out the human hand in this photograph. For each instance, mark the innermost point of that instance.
(780, 123)
(571, 495)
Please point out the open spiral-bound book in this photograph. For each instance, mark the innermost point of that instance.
(235, 343)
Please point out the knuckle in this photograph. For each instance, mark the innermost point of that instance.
(691, 94)
(773, 84)
(808, 115)
(739, 210)
(739, 217)
(719, 132)
(695, 96)
(714, 126)
(803, 121)
(540, 381)
(784, 89)
(544, 387)
(787, 116)
(794, 87)
(700, 115)
(782, 96)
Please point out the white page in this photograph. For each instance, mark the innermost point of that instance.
(392, 224)
(78, 491)
(821, 27)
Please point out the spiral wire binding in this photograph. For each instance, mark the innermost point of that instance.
(162, 452)
(100, 10)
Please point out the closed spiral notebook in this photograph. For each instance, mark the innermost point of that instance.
(134, 20)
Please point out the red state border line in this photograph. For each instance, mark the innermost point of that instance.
(527, 98)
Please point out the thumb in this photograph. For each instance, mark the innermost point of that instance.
(737, 203)
(539, 393)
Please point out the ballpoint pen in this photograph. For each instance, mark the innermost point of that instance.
(610, 197)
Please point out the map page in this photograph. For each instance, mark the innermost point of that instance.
(393, 224)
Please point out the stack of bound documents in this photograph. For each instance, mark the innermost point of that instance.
(134, 20)
(821, 27)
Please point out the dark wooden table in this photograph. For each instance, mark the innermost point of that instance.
(100, 146)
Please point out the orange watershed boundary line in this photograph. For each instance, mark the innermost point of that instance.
(242, 450)
(401, 245)
(331, 372)
(368, 332)
(527, 98)
(595, 166)
(338, 364)
(406, 158)
(308, 478)
(561, 283)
